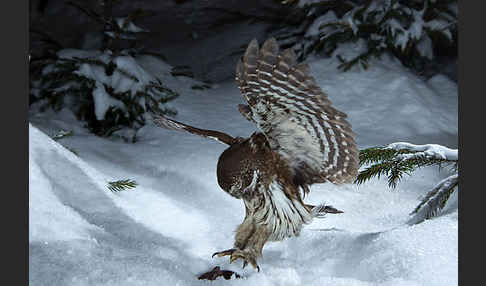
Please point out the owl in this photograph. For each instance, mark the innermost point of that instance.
(301, 140)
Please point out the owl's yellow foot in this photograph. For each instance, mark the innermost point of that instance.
(236, 253)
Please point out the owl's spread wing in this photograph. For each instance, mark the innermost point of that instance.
(296, 116)
(167, 123)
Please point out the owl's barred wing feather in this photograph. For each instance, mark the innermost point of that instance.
(167, 123)
(296, 116)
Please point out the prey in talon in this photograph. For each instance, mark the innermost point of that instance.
(217, 272)
(301, 140)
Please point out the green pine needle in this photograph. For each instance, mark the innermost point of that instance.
(378, 24)
(386, 162)
(394, 164)
(435, 201)
(121, 185)
(62, 134)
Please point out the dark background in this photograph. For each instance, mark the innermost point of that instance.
(208, 36)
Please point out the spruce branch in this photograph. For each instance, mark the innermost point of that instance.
(72, 79)
(121, 185)
(376, 154)
(62, 79)
(395, 26)
(402, 158)
(435, 200)
(399, 159)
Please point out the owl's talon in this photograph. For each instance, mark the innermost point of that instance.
(255, 266)
(246, 256)
(235, 253)
(233, 258)
(224, 252)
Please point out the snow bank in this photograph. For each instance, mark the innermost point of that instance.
(82, 234)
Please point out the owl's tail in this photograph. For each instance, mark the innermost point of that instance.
(321, 210)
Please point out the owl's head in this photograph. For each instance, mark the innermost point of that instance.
(235, 167)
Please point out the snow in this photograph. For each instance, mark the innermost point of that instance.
(440, 25)
(129, 76)
(128, 26)
(401, 34)
(103, 101)
(164, 231)
(424, 47)
(432, 201)
(302, 3)
(314, 28)
(387, 96)
(127, 29)
(429, 150)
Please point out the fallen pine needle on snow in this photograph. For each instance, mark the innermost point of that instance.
(121, 185)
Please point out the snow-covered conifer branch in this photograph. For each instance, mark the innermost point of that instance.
(410, 30)
(435, 200)
(112, 91)
(400, 158)
(428, 150)
(107, 88)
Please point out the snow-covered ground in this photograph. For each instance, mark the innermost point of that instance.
(164, 231)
